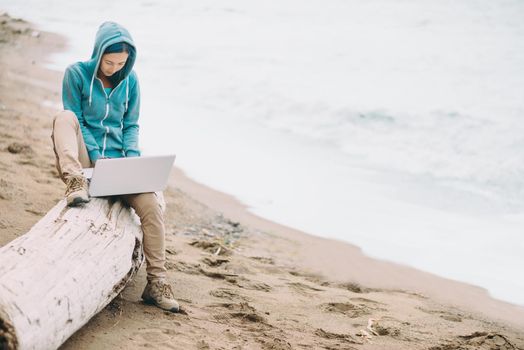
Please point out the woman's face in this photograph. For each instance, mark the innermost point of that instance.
(112, 63)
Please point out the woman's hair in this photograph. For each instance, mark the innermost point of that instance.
(117, 48)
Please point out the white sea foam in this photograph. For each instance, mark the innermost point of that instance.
(394, 125)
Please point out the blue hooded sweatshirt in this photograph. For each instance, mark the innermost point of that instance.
(109, 122)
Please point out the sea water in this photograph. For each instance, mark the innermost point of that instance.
(395, 125)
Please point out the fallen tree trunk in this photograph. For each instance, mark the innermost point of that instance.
(66, 269)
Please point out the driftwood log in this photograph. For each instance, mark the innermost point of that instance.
(67, 268)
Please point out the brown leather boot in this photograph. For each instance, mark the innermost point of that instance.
(76, 190)
(159, 293)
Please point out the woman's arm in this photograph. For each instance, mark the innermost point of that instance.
(130, 127)
(72, 100)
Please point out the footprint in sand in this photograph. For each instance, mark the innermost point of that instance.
(348, 309)
(303, 289)
(214, 261)
(352, 287)
(478, 341)
(274, 342)
(212, 247)
(230, 277)
(247, 284)
(448, 316)
(229, 294)
(389, 326)
(371, 304)
(243, 312)
(339, 338)
(311, 277)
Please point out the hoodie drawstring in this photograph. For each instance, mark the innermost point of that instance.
(91, 89)
(127, 92)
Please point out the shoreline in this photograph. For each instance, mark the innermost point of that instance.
(369, 271)
(297, 266)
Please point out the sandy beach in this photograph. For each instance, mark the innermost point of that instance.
(243, 282)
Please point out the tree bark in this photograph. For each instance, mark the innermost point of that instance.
(66, 269)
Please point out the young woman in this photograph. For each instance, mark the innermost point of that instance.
(101, 100)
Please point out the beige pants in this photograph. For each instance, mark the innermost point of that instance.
(71, 157)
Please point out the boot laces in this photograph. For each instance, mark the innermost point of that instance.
(75, 183)
(167, 291)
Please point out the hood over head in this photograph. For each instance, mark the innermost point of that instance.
(110, 33)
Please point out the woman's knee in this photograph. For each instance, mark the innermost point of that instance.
(147, 206)
(66, 117)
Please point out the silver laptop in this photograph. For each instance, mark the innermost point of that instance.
(118, 176)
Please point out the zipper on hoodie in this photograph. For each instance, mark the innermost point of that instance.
(107, 113)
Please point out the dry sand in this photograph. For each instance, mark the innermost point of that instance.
(269, 287)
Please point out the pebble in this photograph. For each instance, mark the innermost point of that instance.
(16, 148)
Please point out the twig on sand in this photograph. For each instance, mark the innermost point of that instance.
(371, 321)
